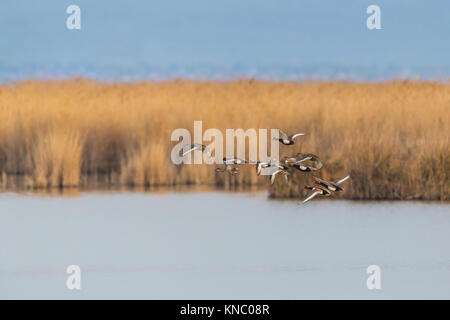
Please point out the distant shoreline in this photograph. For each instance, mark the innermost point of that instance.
(296, 75)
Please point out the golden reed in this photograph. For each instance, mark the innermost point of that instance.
(391, 137)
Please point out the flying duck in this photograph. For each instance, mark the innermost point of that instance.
(301, 157)
(316, 191)
(283, 170)
(287, 140)
(331, 185)
(234, 161)
(290, 162)
(259, 165)
(197, 146)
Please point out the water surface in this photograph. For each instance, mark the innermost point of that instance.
(219, 246)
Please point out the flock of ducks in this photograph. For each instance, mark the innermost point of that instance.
(304, 162)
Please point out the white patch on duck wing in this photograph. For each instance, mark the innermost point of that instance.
(240, 161)
(259, 167)
(228, 161)
(302, 168)
(193, 148)
(295, 135)
(338, 182)
(305, 159)
(272, 178)
(311, 196)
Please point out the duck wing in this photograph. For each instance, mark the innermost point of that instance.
(295, 135)
(188, 151)
(193, 148)
(311, 156)
(312, 195)
(304, 159)
(263, 165)
(283, 135)
(322, 181)
(240, 161)
(259, 167)
(229, 161)
(272, 178)
(338, 182)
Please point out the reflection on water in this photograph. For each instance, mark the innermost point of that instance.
(220, 245)
(100, 188)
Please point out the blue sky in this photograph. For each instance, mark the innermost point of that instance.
(130, 36)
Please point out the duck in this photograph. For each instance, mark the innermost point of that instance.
(303, 168)
(234, 161)
(197, 146)
(316, 191)
(290, 162)
(287, 140)
(307, 156)
(301, 157)
(294, 163)
(228, 169)
(283, 170)
(259, 165)
(331, 185)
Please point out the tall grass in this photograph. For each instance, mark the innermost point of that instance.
(392, 137)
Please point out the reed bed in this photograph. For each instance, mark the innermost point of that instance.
(391, 137)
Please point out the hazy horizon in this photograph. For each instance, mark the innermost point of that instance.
(281, 40)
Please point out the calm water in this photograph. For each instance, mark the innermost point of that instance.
(127, 40)
(221, 245)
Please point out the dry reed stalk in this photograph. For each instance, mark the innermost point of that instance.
(392, 137)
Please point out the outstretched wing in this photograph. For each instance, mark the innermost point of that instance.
(193, 148)
(338, 182)
(295, 135)
(259, 168)
(283, 135)
(311, 196)
(234, 161)
(272, 178)
(322, 181)
(305, 159)
(190, 150)
(228, 161)
(240, 161)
